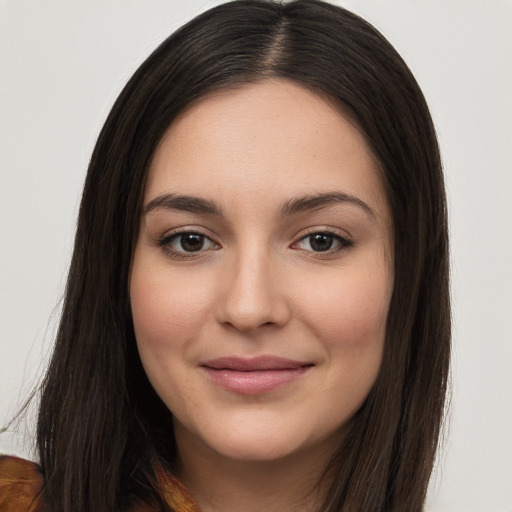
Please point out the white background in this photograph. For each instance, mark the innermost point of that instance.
(63, 62)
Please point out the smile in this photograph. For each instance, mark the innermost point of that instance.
(253, 376)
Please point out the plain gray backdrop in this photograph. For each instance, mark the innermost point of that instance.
(62, 64)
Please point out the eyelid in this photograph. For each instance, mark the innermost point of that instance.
(165, 240)
(343, 238)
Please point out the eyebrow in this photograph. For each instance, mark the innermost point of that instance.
(309, 202)
(319, 201)
(184, 203)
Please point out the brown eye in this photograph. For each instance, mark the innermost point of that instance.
(323, 242)
(191, 242)
(320, 242)
(188, 242)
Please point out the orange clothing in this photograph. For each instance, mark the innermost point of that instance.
(21, 483)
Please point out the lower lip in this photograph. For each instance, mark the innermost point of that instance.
(254, 382)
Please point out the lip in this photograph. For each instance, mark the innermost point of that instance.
(254, 376)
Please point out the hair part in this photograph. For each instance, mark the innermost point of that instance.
(101, 427)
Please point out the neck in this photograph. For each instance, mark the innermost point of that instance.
(221, 484)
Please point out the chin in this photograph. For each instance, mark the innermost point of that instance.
(257, 448)
(263, 441)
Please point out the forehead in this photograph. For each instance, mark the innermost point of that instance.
(261, 141)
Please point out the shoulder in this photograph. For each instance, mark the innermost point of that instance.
(20, 485)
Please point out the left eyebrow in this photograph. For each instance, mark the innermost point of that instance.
(319, 201)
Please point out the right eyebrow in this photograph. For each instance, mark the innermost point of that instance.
(183, 203)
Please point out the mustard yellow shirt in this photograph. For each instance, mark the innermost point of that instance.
(21, 482)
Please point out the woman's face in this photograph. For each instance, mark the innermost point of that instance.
(262, 274)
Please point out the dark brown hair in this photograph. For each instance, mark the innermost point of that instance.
(101, 426)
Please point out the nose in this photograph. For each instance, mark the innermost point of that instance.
(252, 294)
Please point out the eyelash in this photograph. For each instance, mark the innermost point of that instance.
(166, 241)
(342, 242)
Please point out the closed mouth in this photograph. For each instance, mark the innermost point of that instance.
(253, 376)
(262, 363)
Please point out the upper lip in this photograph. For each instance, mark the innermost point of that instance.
(254, 364)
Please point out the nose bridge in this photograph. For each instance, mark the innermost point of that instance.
(252, 296)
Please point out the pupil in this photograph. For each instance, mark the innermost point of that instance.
(320, 242)
(192, 242)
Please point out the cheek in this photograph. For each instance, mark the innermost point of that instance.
(157, 316)
(166, 307)
(350, 322)
(349, 313)
(167, 311)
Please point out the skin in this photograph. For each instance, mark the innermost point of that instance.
(259, 286)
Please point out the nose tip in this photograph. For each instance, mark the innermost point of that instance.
(253, 299)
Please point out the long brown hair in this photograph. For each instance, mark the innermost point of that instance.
(101, 427)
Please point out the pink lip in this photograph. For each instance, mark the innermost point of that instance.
(253, 376)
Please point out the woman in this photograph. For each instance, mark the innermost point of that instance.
(257, 311)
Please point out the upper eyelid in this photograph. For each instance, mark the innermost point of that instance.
(165, 241)
(344, 241)
(176, 236)
(341, 233)
(188, 229)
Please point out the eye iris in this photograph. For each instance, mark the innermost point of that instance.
(192, 242)
(320, 242)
